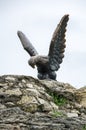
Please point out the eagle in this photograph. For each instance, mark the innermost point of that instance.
(47, 65)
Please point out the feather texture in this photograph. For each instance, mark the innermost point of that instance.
(57, 45)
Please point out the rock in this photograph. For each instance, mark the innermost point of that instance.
(27, 103)
(81, 96)
(72, 114)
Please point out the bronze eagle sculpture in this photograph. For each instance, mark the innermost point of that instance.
(47, 65)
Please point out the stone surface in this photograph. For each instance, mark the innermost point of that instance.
(27, 103)
(81, 96)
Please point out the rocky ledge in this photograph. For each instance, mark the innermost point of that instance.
(27, 103)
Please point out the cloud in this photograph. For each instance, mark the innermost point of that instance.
(38, 20)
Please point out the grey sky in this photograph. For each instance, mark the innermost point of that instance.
(38, 20)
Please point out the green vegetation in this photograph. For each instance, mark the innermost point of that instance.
(84, 128)
(57, 113)
(58, 100)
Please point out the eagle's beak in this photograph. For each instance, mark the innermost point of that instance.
(31, 64)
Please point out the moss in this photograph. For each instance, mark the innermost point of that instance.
(58, 99)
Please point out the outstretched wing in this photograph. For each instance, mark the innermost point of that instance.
(57, 46)
(26, 44)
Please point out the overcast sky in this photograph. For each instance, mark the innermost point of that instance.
(38, 20)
